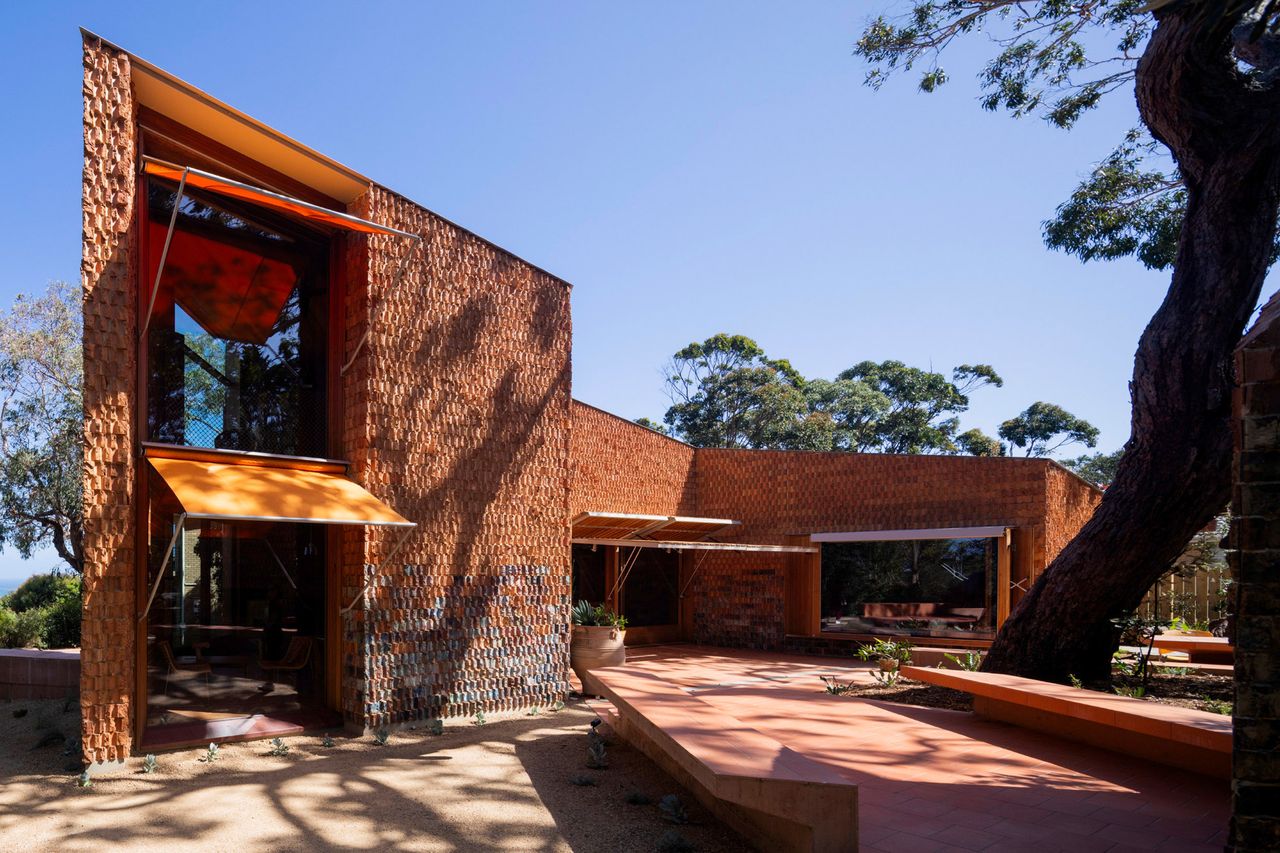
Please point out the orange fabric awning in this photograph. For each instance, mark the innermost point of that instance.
(232, 292)
(265, 198)
(232, 492)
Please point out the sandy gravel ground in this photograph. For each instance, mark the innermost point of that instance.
(502, 786)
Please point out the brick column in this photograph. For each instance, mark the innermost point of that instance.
(1255, 563)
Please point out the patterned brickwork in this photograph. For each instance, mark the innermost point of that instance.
(1255, 568)
(624, 467)
(458, 413)
(738, 597)
(110, 394)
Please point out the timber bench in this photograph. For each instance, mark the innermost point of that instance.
(1166, 734)
(749, 780)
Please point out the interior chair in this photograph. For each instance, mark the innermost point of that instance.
(294, 660)
(173, 665)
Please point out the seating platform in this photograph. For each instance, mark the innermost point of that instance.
(1200, 649)
(1166, 734)
(752, 782)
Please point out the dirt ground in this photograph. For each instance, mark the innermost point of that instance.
(503, 786)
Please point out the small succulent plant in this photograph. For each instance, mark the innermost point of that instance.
(278, 747)
(84, 780)
(435, 726)
(533, 711)
(558, 706)
(211, 754)
(673, 810)
(149, 764)
(480, 719)
(597, 759)
(381, 736)
(327, 741)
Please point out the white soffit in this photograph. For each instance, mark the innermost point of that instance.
(987, 532)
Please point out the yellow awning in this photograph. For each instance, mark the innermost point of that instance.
(266, 493)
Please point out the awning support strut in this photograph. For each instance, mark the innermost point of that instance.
(404, 537)
(173, 541)
(164, 254)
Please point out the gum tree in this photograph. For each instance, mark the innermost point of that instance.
(1196, 190)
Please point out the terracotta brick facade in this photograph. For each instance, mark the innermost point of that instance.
(738, 598)
(458, 416)
(1255, 568)
(107, 270)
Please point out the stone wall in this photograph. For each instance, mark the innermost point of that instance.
(458, 417)
(107, 270)
(1255, 566)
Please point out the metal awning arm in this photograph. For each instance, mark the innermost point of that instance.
(696, 568)
(155, 587)
(279, 563)
(164, 254)
(627, 566)
(373, 306)
(368, 584)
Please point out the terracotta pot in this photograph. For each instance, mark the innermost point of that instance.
(595, 647)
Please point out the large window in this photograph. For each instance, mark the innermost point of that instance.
(928, 587)
(238, 336)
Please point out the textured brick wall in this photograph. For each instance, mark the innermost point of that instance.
(1255, 566)
(619, 466)
(738, 597)
(459, 417)
(110, 393)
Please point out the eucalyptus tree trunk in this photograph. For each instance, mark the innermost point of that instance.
(1224, 130)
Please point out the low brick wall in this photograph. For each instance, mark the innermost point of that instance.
(35, 674)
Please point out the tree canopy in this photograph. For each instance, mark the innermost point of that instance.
(1057, 61)
(41, 424)
(727, 392)
(1042, 428)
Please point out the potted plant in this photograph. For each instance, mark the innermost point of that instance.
(597, 642)
(889, 655)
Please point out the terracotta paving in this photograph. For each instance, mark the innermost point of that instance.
(936, 780)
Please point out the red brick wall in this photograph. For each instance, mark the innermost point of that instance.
(737, 598)
(110, 394)
(619, 466)
(459, 414)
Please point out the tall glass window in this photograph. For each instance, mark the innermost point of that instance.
(237, 343)
(929, 587)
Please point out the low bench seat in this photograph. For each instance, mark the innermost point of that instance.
(768, 792)
(1166, 734)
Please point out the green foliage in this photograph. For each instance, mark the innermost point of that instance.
(149, 764)
(1218, 706)
(1044, 427)
(651, 424)
(835, 687)
(1138, 691)
(327, 741)
(881, 649)
(278, 747)
(726, 392)
(382, 736)
(1055, 60)
(42, 424)
(1075, 681)
(41, 591)
(1097, 468)
(211, 754)
(533, 711)
(435, 726)
(480, 719)
(598, 616)
(21, 630)
(969, 661)
(673, 810)
(84, 780)
(975, 442)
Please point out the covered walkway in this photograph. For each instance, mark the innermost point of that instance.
(935, 780)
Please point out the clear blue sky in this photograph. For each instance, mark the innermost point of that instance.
(690, 167)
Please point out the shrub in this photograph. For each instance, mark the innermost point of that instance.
(41, 591)
(20, 630)
(62, 620)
